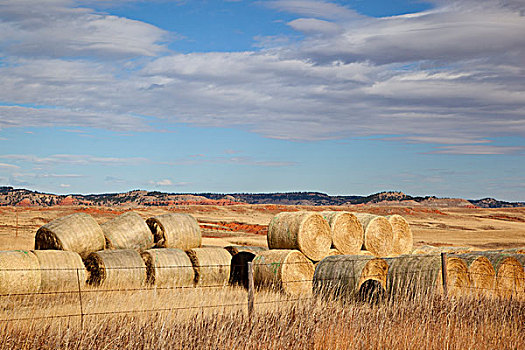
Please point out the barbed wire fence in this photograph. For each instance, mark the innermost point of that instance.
(422, 281)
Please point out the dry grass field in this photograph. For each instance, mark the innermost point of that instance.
(216, 318)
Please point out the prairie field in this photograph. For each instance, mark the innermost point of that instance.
(216, 317)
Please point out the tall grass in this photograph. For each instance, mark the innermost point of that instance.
(428, 323)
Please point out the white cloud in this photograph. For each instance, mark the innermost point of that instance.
(65, 185)
(6, 166)
(74, 159)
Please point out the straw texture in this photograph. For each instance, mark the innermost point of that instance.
(168, 267)
(304, 231)
(403, 238)
(234, 249)
(347, 232)
(116, 269)
(60, 270)
(346, 276)
(482, 274)
(419, 275)
(379, 237)
(76, 232)
(19, 272)
(288, 271)
(510, 276)
(211, 265)
(128, 231)
(429, 249)
(172, 230)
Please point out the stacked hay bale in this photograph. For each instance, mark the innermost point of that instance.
(421, 275)
(211, 265)
(123, 268)
(482, 274)
(127, 231)
(172, 230)
(285, 270)
(168, 267)
(403, 238)
(60, 270)
(346, 231)
(351, 276)
(78, 233)
(378, 234)
(19, 272)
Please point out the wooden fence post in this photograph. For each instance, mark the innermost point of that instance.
(250, 289)
(444, 275)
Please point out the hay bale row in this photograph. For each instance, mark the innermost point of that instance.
(127, 231)
(510, 274)
(350, 276)
(78, 233)
(304, 231)
(288, 271)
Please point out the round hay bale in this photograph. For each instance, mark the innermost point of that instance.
(168, 267)
(379, 237)
(482, 274)
(304, 231)
(429, 249)
(239, 268)
(19, 272)
(128, 231)
(76, 232)
(211, 265)
(350, 277)
(510, 276)
(234, 249)
(347, 231)
(122, 268)
(60, 270)
(288, 271)
(403, 238)
(420, 275)
(172, 230)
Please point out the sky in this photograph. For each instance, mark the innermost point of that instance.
(342, 97)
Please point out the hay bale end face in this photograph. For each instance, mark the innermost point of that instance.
(76, 232)
(19, 272)
(128, 231)
(510, 275)
(174, 230)
(351, 277)
(211, 265)
(403, 238)
(60, 270)
(168, 267)
(116, 269)
(482, 274)
(379, 237)
(288, 271)
(304, 231)
(347, 231)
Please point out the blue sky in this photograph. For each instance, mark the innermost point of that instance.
(342, 97)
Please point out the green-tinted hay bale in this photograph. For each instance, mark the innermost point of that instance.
(379, 237)
(420, 275)
(211, 265)
(347, 232)
(128, 231)
(116, 269)
(350, 276)
(304, 231)
(168, 267)
(60, 270)
(76, 232)
(174, 230)
(403, 238)
(19, 272)
(288, 271)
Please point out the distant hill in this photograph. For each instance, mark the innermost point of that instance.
(23, 197)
